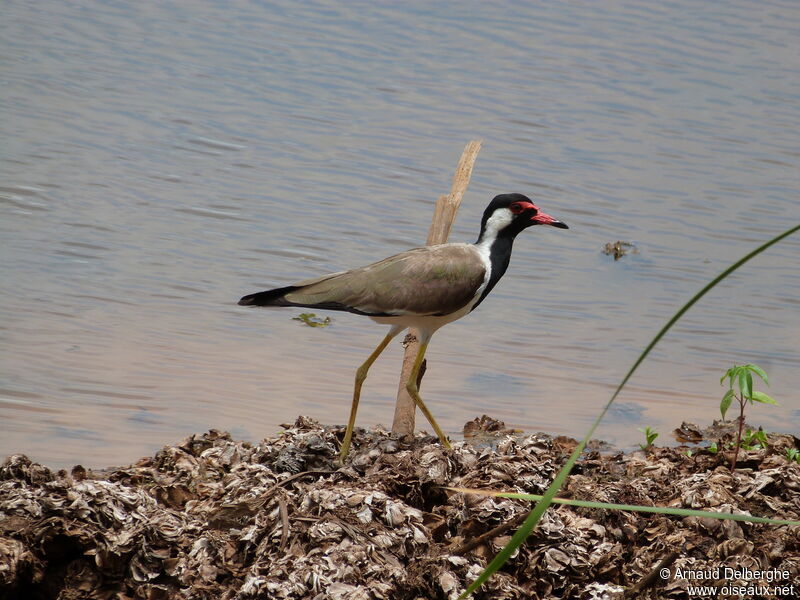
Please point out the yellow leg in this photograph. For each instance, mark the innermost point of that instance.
(361, 375)
(413, 391)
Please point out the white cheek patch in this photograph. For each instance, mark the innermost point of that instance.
(500, 219)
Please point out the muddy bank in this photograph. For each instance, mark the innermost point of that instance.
(214, 518)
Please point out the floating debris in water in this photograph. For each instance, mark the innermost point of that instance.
(312, 320)
(619, 249)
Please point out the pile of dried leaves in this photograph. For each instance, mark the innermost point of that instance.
(216, 518)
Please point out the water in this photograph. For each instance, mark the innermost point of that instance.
(159, 161)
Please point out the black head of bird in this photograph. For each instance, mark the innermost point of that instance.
(519, 214)
(424, 288)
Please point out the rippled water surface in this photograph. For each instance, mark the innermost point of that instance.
(161, 160)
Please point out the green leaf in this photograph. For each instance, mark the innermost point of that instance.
(726, 403)
(763, 398)
(746, 383)
(761, 436)
(758, 371)
(728, 374)
(662, 510)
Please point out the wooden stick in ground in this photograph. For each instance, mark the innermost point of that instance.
(650, 579)
(443, 217)
(484, 538)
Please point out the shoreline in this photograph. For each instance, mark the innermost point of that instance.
(212, 517)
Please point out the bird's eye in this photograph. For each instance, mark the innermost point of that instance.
(516, 208)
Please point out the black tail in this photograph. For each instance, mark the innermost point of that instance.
(268, 298)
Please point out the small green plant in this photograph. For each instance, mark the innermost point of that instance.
(312, 320)
(650, 435)
(713, 448)
(793, 455)
(741, 376)
(753, 440)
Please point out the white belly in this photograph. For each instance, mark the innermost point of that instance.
(429, 323)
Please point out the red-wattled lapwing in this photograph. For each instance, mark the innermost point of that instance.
(424, 288)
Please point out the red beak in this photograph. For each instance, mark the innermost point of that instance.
(544, 219)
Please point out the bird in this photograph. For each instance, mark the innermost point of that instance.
(423, 288)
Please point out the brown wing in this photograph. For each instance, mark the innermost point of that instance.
(424, 281)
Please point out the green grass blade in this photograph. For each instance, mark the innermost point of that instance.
(541, 506)
(663, 510)
(534, 516)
